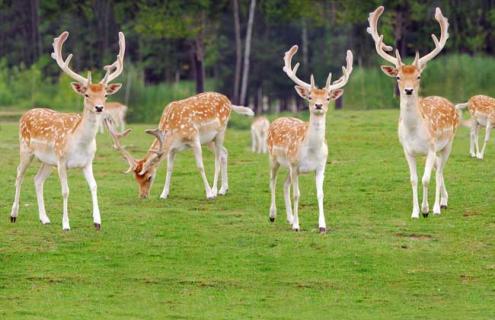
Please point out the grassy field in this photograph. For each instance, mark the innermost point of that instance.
(188, 258)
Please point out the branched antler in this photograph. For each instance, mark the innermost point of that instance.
(64, 65)
(116, 136)
(346, 72)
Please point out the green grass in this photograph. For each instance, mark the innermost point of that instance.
(189, 258)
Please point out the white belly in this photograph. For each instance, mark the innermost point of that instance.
(207, 136)
(417, 142)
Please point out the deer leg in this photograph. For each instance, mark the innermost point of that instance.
(476, 138)
(170, 168)
(472, 137)
(320, 177)
(88, 174)
(25, 160)
(62, 173)
(488, 128)
(411, 161)
(39, 181)
(223, 157)
(254, 146)
(288, 205)
(295, 190)
(274, 166)
(198, 154)
(430, 162)
(441, 195)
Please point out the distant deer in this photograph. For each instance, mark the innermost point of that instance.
(259, 132)
(427, 126)
(301, 146)
(189, 123)
(116, 111)
(66, 140)
(482, 110)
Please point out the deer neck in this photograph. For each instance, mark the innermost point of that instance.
(409, 110)
(316, 129)
(86, 130)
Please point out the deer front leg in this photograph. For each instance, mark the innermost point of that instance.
(26, 159)
(288, 205)
(199, 162)
(472, 137)
(170, 168)
(274, 166)
(253, 141)
(295, 190)
(39, 181)
(62, 173)
(487, 138)
(430, 161)
(320, 177)
(88, 174)
(411, 161)
(476, 138)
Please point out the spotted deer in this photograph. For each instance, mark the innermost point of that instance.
(65, 140)
(482, 110)
(116, 111)
(259, 132)
(427, 125)
(189, 123)
(301, 146)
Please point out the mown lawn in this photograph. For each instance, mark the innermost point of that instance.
(189, 258)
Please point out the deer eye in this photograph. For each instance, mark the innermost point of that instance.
(398, 78)
(106, 96)
(309, 98)
(149, 178)
(419, 77)
(86, 95)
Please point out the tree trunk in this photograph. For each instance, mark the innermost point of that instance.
(304, 43)
(35, 34)
(238, 51)
(247, 49)
(199, 68)
(339, 103)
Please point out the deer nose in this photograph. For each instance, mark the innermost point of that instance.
(99, 108)
(408, 91)
(318, 106)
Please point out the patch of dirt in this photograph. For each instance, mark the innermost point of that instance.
(414, 236)
(470, 213)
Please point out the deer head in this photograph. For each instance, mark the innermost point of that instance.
(408, 76)
(95, 95)
(318, 99)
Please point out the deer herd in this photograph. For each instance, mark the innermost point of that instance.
(427, 126)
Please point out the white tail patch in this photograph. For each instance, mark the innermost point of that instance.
(243, 110)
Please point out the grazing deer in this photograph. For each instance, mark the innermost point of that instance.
(189, 123)
(301, 146)
(66, 140)
(426, 125)
(116, 111)
(482, 110)
(259, 132)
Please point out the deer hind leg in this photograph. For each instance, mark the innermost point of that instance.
(170, 168)
(443, 157)
(274, 166)
(476, 138)
(472, 137)
(295, 190)
(39, 181)
(488, 128)
(430, 162)
(411, 161)
(254, 144)
(198, 154)
(25, 160)
(223, 160)
(88, 174)
(62, 174)
(288, 204)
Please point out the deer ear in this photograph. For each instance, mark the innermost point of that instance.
(302, 92)
(79, 88)
(113, 88)
(390, 71)
(335, 94)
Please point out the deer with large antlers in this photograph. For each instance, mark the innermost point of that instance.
(66, 140)
(301, 146)
(189, 123)
(427, 125)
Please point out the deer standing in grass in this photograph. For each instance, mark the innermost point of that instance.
(116, 111)
(189, 123)
(259, 132)
(482, 110)
(427, 125)
(301, 146)
(65, 140)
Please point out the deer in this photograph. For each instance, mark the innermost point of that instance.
(259, 131)
(185, 124)
(301, 146)
(116, 111)
(482, 110)
(427, 125)
(65, 140)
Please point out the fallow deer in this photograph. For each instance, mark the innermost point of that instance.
(65, 140)
(301, 146)
(116, 111)
(259, 132)
(427, 125)
(189, 123)
(482, 110)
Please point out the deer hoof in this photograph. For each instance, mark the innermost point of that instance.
(97, 226)
(425, 215)
(295, 229)
(323, 230)
(13, 219)
(443, 207)
(272, 219)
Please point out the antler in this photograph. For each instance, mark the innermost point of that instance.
(118, 65)
(346, 72)
(158, 153)
(444, 35)
(64, 65)
(292, 72)
(116, 136)
(380, 46)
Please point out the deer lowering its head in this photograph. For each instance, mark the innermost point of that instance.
(189, 123)
(259, 132)
(427, 125)
(301, 146)
(65, 140)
